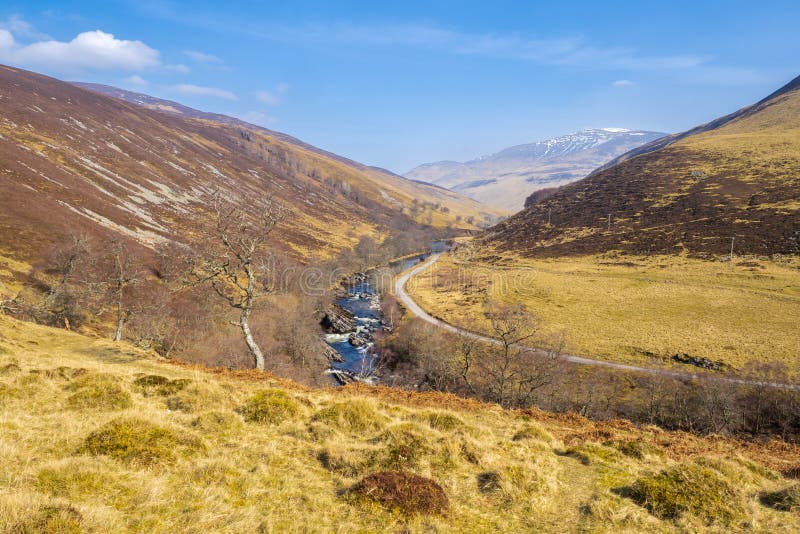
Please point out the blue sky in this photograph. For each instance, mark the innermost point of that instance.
(396, 86)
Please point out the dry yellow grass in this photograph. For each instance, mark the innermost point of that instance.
(206, 464)
(632, 309)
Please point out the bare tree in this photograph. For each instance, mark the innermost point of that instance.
(122, 272)
(510, 373)
(233, 258)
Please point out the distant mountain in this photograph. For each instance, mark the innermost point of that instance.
(734, 180)
(504, 179)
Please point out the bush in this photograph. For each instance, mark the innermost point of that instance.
(160, 385)
(689, 489)
(271, 406)
(99, 391)
(785, 500)
(356, 415)
(139, 442)
(401, 492)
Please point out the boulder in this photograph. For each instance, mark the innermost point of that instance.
(338, 320)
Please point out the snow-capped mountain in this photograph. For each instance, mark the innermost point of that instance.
(507, 177)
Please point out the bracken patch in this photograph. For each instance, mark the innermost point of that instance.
(401, 492)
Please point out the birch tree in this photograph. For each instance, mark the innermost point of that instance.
(234, 259)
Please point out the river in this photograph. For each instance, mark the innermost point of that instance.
(363, 302)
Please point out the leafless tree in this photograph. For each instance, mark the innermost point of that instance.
(122, 271)
(509, 372)
(233, 258)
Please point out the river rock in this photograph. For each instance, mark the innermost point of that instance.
(338, 320)
(331, 354)
(357, 340)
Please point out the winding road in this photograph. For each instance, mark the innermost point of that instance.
(416, 309)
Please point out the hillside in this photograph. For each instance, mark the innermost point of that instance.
(737, 178)
(75, 161)
(505, 178)
(101, 437)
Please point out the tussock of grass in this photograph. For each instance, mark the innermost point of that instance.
(270, 406)
(98, 391)
(533, 432)
(444, 421)
(589, 453)
(404, 493)
(636, 449)
(356, 415)
(217, 423)
(689, 489)
(140, 442)
(785, 500)
(54, 518)
(195, 397)
(10, 368)
(160, 385)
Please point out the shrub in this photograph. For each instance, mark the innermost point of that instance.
(139, 442)
(785, 500)
(533, 432)
(688, 488)
(160, 385)
(401, 492)
(356, 415)
(271, 406)
(98, 391)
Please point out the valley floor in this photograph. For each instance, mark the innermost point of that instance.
(102, 437)
(635, 310)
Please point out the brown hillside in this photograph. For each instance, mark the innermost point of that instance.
(734, 178)
(76, 161)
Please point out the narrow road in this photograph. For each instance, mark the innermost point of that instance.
(416, 309)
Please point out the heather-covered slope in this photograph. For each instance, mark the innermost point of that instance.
(734, 179)
(102, 437)
(76, 161)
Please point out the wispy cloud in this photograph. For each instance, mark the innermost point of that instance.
(136, 80)
(199, 90)
(201, 57)
(22, 28)
(257, 117)
(272, 98)
(622, 83)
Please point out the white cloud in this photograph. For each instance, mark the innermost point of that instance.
(94, 50)
(136, 80)
(201, 57)
(623, 83)
(179, 68)
(198, 90)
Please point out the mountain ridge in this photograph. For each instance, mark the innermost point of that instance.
(506, 177)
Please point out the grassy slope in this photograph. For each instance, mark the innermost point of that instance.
(741, 179)
(206, 469)
(621, 308)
